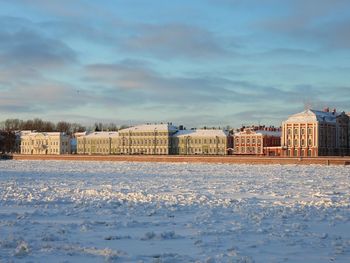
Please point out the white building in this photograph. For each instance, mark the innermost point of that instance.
(147, 139)
(201, 142)
(45, 143)
(98, 143)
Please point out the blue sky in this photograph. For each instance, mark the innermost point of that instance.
(208, 62)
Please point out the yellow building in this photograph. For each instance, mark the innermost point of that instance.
(201, 142)
(316, 133)
(147, 139)
(45, 143)
(98, 143)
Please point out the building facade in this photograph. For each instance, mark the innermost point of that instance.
(257, 141)
(141, 139)
(202, 142)
(102, 143)
(147, 139)
(315, 133)
(45, 143)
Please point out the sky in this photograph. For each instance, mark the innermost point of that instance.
(192, 62)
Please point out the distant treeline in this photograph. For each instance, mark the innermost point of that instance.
(40, 126)
(9, 127)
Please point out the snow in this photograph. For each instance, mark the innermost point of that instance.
(259, 132)
(201, 133)
(151, 127)
(313, 116)
(102, 135)
(61, 211)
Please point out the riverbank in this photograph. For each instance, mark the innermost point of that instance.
(191, 159)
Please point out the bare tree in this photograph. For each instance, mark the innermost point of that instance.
(63, 126)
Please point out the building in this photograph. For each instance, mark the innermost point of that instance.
(74, 141)
(98, 143)
(45, 143)
(257, 140)
(147, 139)
(204, 142)
(141, 139)
(316, 133)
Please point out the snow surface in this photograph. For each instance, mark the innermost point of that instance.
(60, 211)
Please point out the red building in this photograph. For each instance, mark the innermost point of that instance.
(316, 133)
(257, 140)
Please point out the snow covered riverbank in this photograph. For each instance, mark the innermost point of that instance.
(61, 211)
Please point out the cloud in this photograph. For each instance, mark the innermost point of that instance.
(133, 78)
(27, 48)
(136, 83)
(40, 96)
(324, 23)
(173, 41)
(63, 8)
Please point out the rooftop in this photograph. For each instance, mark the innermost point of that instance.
(276, 133)
(151, 127)
(201, 133)
(313, 115)
(102, 134)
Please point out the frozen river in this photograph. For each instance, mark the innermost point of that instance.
(61, 211)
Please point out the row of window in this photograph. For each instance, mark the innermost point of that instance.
(249, 150)
(201, 141)
(297, 142)
(296, 131)
(295, 153)
(248, 140)
(126, 151)
(200, 151)
(48, 151)
(45, 142)
(143, 134)
(127, 142)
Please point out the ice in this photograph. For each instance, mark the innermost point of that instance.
(61, 211)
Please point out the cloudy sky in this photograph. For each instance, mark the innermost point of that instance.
(192, 62)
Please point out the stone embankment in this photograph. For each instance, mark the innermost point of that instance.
(191, 159)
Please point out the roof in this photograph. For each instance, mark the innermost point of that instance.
(101, 135)
(201, 133)
(151, 127)
(313, 116)
(43, 133)
(262, 132)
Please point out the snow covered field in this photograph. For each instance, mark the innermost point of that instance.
(60, 211)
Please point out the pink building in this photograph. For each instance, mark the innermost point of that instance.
(256, 140)
(316, 133)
